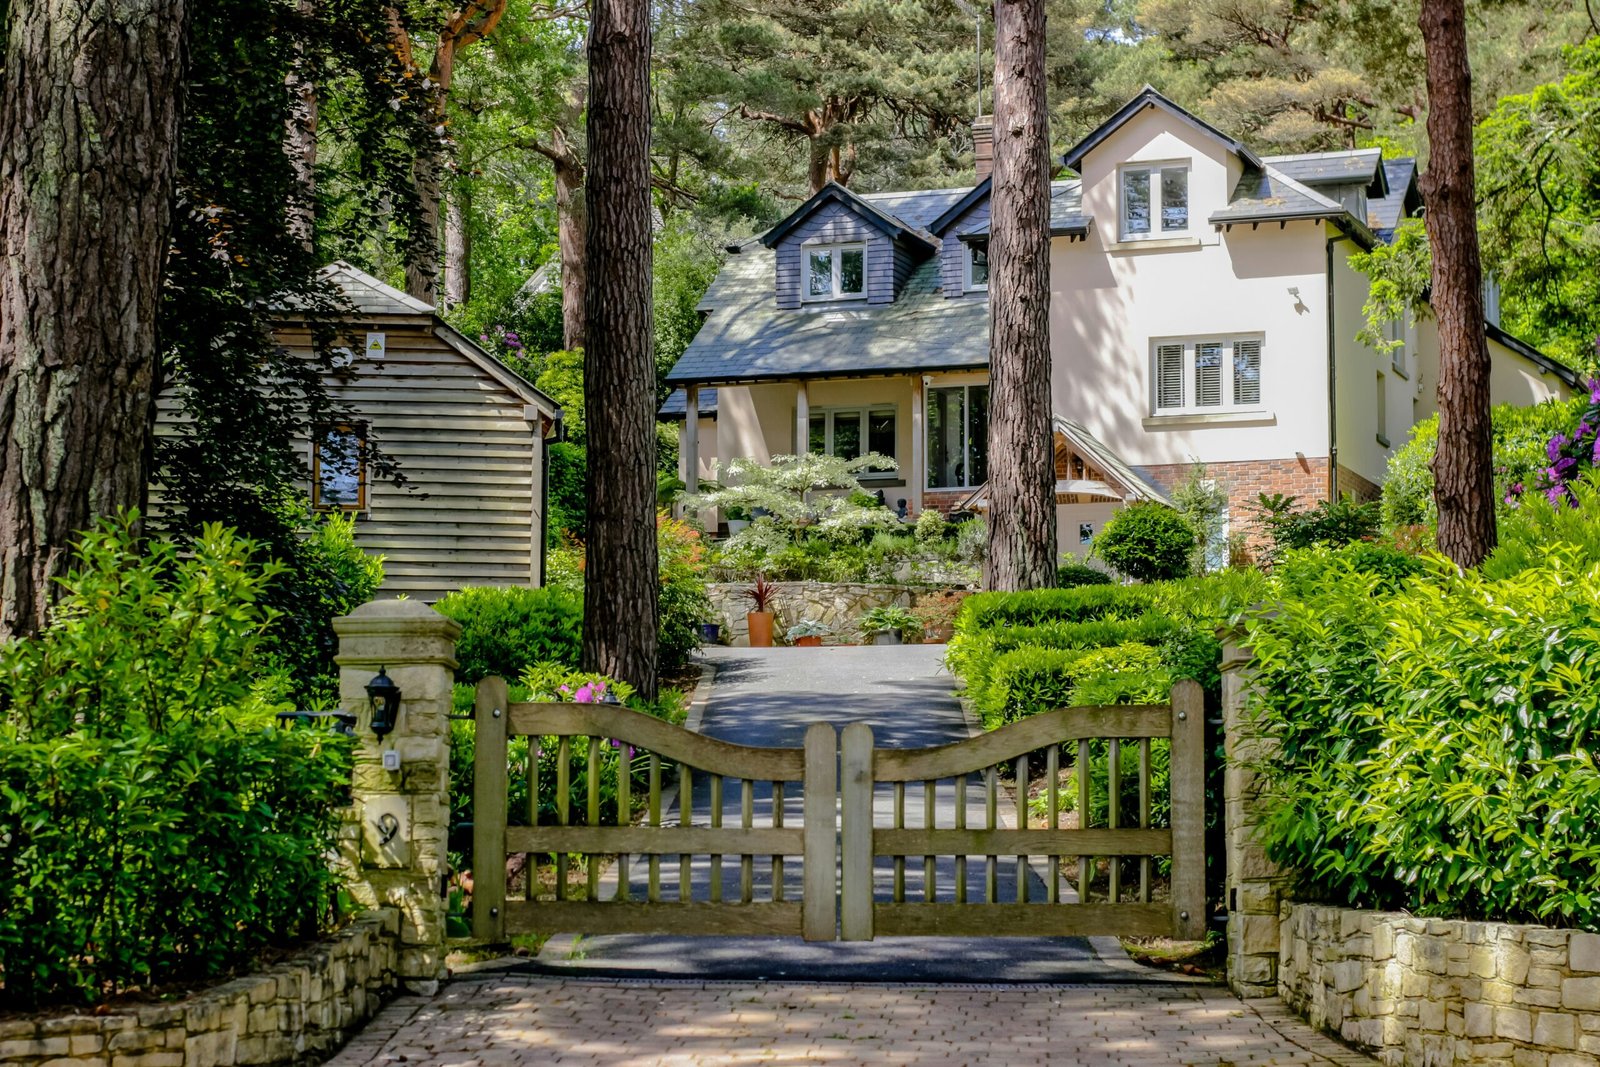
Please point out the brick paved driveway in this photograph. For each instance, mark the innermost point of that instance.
(488, 1020)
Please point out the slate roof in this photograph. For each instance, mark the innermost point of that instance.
(868, 207)
(1384, 213)
(1066, 211)
(678, 402)
(747, 338)
(1271, 195)
(1361, 165)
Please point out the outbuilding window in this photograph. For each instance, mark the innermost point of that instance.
(836, 272)
(338, 468)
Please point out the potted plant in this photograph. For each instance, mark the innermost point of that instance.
(884, 626)
(759, 620)
(808, 633)
(738, 519)
(937, 613)
(711, 631)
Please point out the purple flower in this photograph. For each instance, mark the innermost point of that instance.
(1594, 390)
(513, 338)
(1553, 449)
(1595, 456)
(1517, 488)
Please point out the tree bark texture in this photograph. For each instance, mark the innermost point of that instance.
(300, 140)
(88, 143)
(572, 238)
(1022, 503)
(457, 251)
(621, 604)
(1463, 466)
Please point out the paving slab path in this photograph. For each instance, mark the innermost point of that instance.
(510, 1020)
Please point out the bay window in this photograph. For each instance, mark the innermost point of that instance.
(958, 436)
(1206, 375)
(835, 272)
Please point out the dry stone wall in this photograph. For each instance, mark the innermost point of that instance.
(1440, 993)
(293, 1013)
(835, 604)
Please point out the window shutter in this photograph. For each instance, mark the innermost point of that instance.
(1247, 372)
(1208, 374)
(1169, 376)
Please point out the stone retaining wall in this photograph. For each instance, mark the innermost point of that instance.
(296, 1012)
(1431, 992)
(836, 604)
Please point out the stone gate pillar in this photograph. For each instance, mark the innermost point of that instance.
(1256, 885)
(394, 844)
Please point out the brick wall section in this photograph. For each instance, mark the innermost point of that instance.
(1444, 992)
(1352, 484)
(944, 501)
(1248, 479)
(297, 1012)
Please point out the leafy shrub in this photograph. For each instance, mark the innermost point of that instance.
(972, 655)
(684, 601)
(932, 525)
(1307, 567)
(569, 510)
(893, 618)
(1435, 739)
(1069, 575)
(1029, 680)
(1147, 542)
(155, 824)
(986, 610)
(1324, 523)
(506, 630)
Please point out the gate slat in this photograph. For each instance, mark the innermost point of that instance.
(760, 919)
(1052, 773)
(855, 888)
(1004, 842)
(819, 898)
(1188, 811)
(655, 840)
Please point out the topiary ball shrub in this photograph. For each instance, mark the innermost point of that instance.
(504, 631)
(1069, 575)
(1147, 542)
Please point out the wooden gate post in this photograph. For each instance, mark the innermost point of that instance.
(489, 804)
(1188, 784)
(395, 847)
(855, 819)
(819, 890)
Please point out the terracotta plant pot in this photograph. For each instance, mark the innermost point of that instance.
(760, 625)
(813, 641)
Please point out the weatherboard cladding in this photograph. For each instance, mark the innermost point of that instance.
(833, 223)
(953, 253)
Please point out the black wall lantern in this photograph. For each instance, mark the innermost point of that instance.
(384, 696)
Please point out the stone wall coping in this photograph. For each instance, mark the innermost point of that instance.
(396, 617)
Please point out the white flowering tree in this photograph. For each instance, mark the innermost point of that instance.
(796, 497)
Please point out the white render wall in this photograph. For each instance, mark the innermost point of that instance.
(1109, 299)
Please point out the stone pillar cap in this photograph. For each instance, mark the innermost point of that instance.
(396, 616)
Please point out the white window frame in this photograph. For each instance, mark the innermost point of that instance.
(837, 251)
(1394, 331)
(966, 436)
(865, 413)
(1153, 171)
(966, 266)
(1229, 404)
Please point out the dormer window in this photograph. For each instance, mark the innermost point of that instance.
(1155, 201)
(836, 272)
(977, 269)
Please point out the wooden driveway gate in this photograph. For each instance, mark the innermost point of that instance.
(954, 868)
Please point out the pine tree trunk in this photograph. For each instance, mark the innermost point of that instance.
(620, 604)
(1463, 465)
(572, 238)
(1022, 509)
(88, 142)
(422, 258)
(457, 251)
(300, 140)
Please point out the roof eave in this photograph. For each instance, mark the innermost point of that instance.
(1150, 97)
(878, 219)
(960, 207)
(856, 372)
(1533, 355)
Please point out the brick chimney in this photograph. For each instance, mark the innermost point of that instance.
(983, 146)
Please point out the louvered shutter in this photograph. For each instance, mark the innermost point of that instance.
(1208, 374)
(1246, 372)
(1169, 376)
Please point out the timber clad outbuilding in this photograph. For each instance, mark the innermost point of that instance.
(467, 433)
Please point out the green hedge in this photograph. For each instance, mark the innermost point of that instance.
(506, 630)
(983, 611)
(1030, 679)
(973, 655)
(155, 824)
(1436, 736)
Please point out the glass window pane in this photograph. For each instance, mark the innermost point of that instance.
(1174, 199)
(1135, 202)
(1247, 372)
(1208, 374)
(339, 470)
(944, 438)
(817, 437)
(852, 271)
(880, 433)
(977, 434)
(847, 434)
(820, 273)
(978, 253)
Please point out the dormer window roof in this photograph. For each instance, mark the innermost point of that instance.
(1149, 97)
(889, 225)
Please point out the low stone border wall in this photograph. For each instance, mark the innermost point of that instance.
(1431, 992)
(836, 604)
(296, 1012)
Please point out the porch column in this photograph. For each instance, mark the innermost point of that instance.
(689, 439)
(917, 477)
(802, 418)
